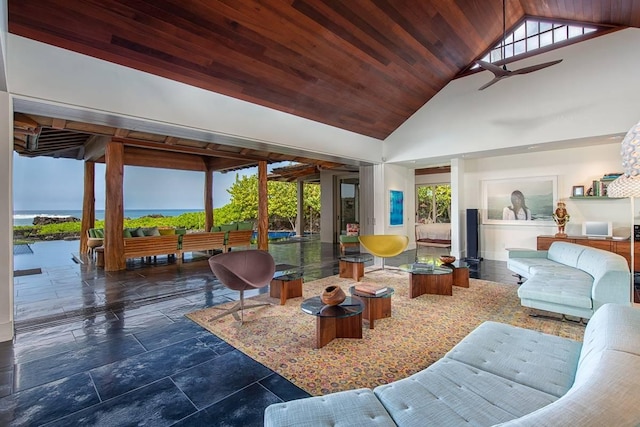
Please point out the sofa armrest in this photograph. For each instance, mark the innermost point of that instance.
(613, 286)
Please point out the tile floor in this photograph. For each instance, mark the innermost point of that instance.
(113, 349)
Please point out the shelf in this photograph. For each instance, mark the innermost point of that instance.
(595, 198)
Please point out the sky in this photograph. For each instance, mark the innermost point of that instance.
(45, 183)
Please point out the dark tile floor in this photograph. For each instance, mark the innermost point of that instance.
(96, 348)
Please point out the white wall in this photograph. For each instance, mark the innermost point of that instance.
(6, 218)
(577, 166)
(593, 92)
(403, 179)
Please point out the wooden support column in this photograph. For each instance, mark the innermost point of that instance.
(114, 210)
(208, 200)
(88, 204)
(263, 207)
(300, 210)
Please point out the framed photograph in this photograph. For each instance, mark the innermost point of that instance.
(396, 207)
(519, 201)
(578, 191)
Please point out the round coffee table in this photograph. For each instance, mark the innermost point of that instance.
(375, 306)
(335, 321)
(425, 279)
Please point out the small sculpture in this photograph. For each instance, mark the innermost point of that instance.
(561, 217)
(333, 295)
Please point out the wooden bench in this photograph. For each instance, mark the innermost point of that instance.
(239, 238)
(202, 242)
(140, 247)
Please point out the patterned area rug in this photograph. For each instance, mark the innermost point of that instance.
(419, 332)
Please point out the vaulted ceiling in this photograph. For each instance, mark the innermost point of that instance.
(360, 65)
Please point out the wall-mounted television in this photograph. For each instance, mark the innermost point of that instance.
(597, 229)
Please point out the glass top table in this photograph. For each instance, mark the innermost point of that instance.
(425, 278)
(376, 306)
(335, 321)
(356, 258)
(349, 307)
(424, 268)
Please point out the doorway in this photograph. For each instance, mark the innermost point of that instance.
(347, 204)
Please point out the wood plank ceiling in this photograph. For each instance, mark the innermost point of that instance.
(361, 65)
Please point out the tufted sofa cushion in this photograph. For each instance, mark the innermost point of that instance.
(540, 361)
(352, 408)
(453, 393)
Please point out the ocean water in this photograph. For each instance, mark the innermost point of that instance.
(26, 217)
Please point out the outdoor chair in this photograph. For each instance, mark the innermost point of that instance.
(241, 271)
(95, 238)
(384, 245)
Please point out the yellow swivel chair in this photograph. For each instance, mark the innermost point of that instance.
(384, 245)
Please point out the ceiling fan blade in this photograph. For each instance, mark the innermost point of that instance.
(498, 71)
(535, 67)
(495, 80)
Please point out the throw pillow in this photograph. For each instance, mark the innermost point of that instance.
(151, 231)
(229, 227)
(99, 233)
(138, 232)
(245, 225)
(127, 233)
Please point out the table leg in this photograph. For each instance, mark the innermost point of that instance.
(284, 289)
(351, 270)
(461, 277)
(438, 284)
(328, 328)
(376, 308)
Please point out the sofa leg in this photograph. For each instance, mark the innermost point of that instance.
(561, 318)
(519, 277)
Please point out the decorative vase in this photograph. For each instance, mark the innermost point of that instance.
(333, 295)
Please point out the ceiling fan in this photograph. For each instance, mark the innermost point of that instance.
(502, 72)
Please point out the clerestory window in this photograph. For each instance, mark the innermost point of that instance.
(535, 34)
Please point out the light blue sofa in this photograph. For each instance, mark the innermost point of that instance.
(571, 279)
(501, 375)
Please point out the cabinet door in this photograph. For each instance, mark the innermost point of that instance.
(624, 249)
(544, 242)
(600, 244)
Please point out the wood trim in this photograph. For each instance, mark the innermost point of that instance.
(433, 170)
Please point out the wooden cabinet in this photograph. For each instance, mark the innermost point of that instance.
(620, 247)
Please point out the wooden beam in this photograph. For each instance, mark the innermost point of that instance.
(171, 140)
(134, 156)
(433, 170)
(121, 133)
(24, 122)
(95, 146)
(190, 150)
(208, 200)
(114, 259)
(263, 208)
(88, 205)
(59, 123)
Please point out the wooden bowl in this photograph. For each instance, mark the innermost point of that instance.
(447, 259)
